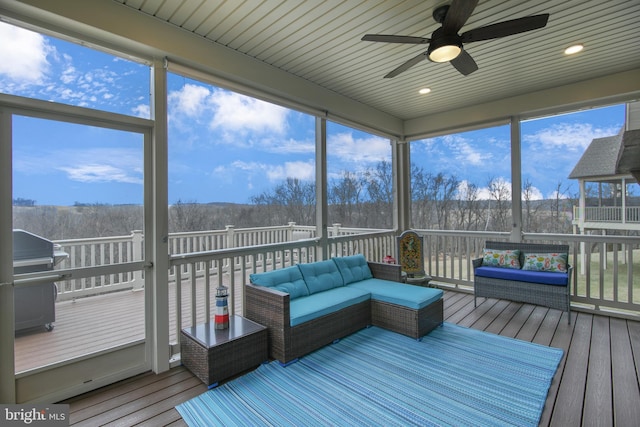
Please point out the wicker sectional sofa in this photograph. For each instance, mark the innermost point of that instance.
(536, 274)
(307, 306)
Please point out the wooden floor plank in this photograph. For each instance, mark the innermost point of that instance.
(130, 408)
(598, 400)
(129, 396)
(517, 322)
(574, 377)
(626, 410)
(561, 339)
(547, 328)
(575, 396)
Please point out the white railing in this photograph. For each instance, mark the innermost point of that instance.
(93, 252)
(202, 261)
(615, 214)
(608, 282)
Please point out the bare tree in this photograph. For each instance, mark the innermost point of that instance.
(379, 186)
(530, 213)
(187, 216)
(345, 195)
(443, 192)
(292, 201)
(470, 207)
(560, 223)
(422, 208)
(499, 205)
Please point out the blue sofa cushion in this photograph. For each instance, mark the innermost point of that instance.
(544, 277)
(322, 303)
(353, 268)
(287, 280)
(321, 276)
(415, 297)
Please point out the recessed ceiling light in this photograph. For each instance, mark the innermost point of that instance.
(573, 49)
(424, 91)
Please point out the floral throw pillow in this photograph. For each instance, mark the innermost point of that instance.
(507, 258)
(554, 262)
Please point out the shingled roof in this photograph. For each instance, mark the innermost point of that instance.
(600, 158)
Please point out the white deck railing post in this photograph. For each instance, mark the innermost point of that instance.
(137, 239)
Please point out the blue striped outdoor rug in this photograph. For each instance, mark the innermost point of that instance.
(455, 376)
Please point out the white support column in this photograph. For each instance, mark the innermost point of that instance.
(7, 319)
(401, 165)
(322, 209)
(516, 181)
(157, 224)
(582, 212)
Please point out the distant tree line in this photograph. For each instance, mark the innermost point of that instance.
(356, 199)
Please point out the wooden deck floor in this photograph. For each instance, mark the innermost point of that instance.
(596, 383)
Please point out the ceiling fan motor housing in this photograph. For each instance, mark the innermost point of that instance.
(440, 40)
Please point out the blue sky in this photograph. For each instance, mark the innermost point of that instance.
(227, 147)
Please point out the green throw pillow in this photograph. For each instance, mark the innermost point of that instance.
(505, 258)
(553, 262)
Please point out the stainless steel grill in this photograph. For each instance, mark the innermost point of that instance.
(34, 304)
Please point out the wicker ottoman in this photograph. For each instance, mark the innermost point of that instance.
(214, 355)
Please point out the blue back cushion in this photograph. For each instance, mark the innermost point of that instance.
(287, 280)
(353, 268)
(321, 275)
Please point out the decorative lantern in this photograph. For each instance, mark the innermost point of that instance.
(221, 319)
(389, 260)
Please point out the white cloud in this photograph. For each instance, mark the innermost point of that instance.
(465, 152)
(371, 150)
(536, 194)
(302, 170)
(237, 119)
(190, 100)
(237, 112)
(555, 194)
(23, 53)
(289, 146)
(574, 137)
(275, 173)
(500, 183)
(89, 166)
(142, 111)
(96, 173)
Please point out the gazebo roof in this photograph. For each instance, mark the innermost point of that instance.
(599, 160)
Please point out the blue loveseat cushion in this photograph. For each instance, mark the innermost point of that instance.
(321, 276)
(287, 280)
(313, 306)
(353, 268)
(546, 278)
(410, 296)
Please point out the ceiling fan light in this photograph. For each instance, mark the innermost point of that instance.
(444, 49)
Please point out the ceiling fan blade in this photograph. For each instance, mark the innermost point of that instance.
(394, 39)
(505, 28)
(404, 67)
(464, 63)
(457, 15)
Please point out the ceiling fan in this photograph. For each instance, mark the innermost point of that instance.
(446, 45)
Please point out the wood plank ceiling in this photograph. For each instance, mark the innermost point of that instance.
(320, 41)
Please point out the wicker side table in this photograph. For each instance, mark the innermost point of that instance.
(214, 355)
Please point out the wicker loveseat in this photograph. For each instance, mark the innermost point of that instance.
(307, 306)
(525, 272)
